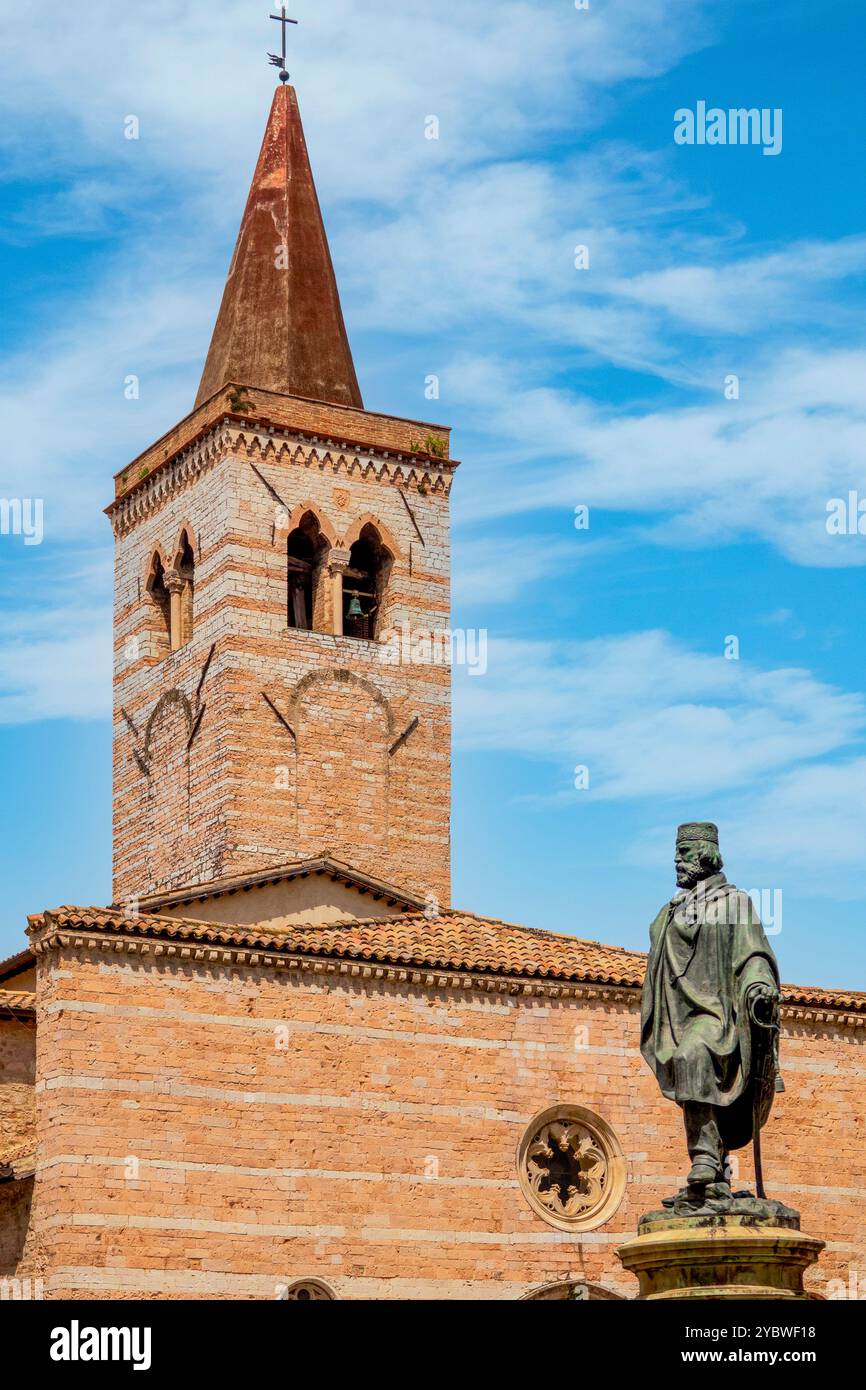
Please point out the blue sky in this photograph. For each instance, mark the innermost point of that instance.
(601, 387)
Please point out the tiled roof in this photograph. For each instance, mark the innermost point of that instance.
(18, 1160)
(458, 941)
(462, 941)
(320, 865)
(17, 1001)
(17, 964)
(853, 1000)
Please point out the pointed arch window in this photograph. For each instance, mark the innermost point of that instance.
(185, 567)
(365, 584)
(160, 625)
(306, 555)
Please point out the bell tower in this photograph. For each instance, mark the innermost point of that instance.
(269, 550)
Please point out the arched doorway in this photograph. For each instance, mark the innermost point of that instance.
(571, 1291)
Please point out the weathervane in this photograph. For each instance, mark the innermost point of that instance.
(279, 59)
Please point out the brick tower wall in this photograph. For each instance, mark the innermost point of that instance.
(208, 778)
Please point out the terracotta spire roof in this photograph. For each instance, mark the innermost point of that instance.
(280, 325)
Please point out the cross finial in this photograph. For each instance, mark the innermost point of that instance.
(279, 59)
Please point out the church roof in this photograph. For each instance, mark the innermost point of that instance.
(18, 964)
(18, 1161)
(452, 941)
(17, 1002)
(463, 941)
(280, 326)
(321, 865)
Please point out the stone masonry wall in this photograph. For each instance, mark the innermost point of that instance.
(17, 1139)
(208, 780)
(216, 1132)
(17, 1078)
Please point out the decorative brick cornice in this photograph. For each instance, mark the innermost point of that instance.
(214, 954)
(229, 435)
(156, 487)
(333, 950)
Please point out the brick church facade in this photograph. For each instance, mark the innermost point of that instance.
(282, 1064)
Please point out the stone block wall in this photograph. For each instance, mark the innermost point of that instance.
(219, 1131)
(17, 1140)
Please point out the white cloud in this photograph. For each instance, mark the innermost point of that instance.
(763, 467)
(55, 652)
(499, 77)
(752, 292)
(649, 717)
(62, 396)
(798, 831)
(499, 569)
(811, 818)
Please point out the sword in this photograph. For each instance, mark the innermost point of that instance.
(766, 1005)
(756, 1145)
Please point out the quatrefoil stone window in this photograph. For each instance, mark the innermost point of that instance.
(571, 1168)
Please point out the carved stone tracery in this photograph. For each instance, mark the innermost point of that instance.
(567, 1169)
(571, 1168)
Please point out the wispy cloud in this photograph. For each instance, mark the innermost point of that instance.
(650, 717)
(55, 640)
(762, 467)
(500, 77)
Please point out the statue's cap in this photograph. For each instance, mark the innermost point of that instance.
(699, 830)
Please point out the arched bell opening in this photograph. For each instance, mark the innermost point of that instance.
(185, 567)
(306, 557)
(160, 612)
(365, 584)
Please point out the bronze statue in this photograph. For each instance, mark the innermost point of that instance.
(710, 1015)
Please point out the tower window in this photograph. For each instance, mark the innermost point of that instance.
(306, 550)
(161, 608)
(364, 585)
(185, 566)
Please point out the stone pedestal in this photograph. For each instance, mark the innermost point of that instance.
(752, 1249)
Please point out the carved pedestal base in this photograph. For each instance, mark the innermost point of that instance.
(751, 1250)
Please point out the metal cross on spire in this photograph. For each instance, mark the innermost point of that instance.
(279, 59)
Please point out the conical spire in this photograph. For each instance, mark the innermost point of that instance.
(280, 326)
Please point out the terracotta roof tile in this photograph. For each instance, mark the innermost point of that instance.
(462, 941)
(18, 1160)
(17, 1001)
(452, 941)
(852, 999)
(17, 964)
(316, 865)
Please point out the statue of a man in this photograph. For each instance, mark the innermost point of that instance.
(709, 1012)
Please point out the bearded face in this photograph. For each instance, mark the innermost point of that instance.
(689, 865)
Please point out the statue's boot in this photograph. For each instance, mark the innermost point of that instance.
(705, 1144)
(702, 1174)
(707, 1177)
